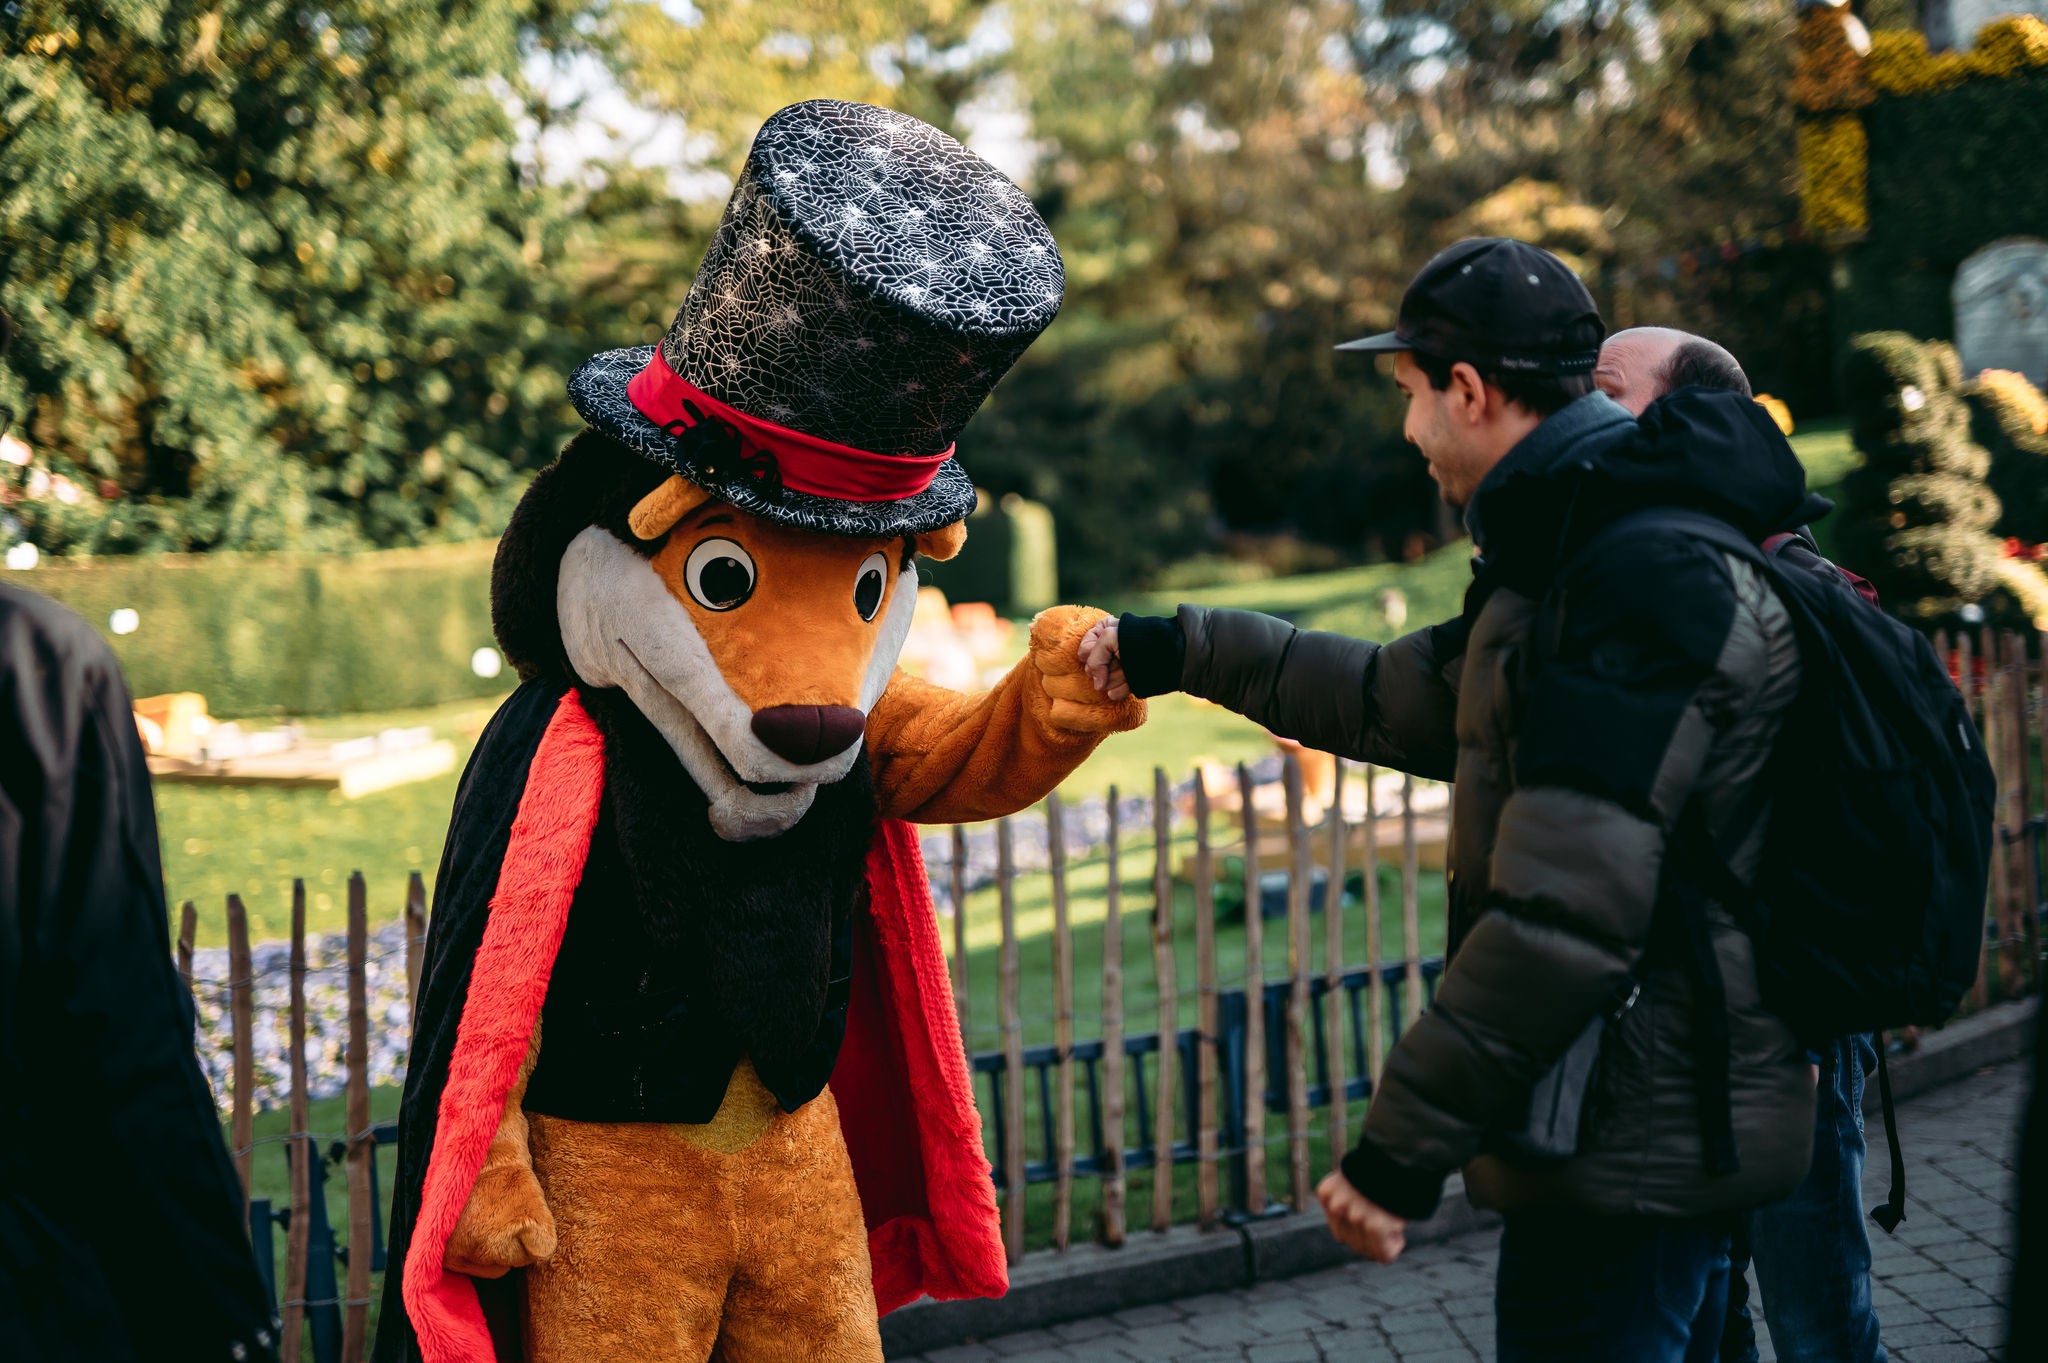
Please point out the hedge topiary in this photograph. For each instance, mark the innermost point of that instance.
(297, 634)
(1917, 518)
(2009, 418)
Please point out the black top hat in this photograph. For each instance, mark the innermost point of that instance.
(870, 282)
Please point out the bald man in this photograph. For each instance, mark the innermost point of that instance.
(1642, 364)
(1812, 1252)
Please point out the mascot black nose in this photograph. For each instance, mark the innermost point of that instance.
(809, 733)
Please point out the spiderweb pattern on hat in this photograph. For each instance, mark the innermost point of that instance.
(871, 281)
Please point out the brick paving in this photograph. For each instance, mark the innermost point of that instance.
(1940, 1283)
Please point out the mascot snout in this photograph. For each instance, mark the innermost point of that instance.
(809, 733)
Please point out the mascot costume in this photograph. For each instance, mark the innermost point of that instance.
(686, 1080)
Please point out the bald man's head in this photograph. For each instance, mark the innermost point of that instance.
(1642, 364)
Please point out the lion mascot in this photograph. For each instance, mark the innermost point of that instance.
(686, 1081)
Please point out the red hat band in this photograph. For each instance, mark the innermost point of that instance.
(776, 455)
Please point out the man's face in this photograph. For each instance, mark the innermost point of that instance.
(1632, 365)
(1447, 445)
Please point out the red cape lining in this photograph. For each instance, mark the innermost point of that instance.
(906, 1100)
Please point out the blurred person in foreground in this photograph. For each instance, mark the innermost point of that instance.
(1595, 690)
(1812, 1250)
(121, 1232)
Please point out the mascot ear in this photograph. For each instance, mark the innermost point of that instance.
(942, 543)
(660, 509)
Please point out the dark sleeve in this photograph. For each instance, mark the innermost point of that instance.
(1652, 654)
(1151, 649)
(149, 1190)
(1390, 704)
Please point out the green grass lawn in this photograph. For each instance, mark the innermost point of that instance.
(1346, 600)
(1826, 450)
(252, 840)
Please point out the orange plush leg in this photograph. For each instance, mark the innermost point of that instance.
(804, 1290)
(644, 1225)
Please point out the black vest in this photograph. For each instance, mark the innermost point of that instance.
(645, 1018)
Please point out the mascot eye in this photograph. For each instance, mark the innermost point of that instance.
(719, 574)
(867, 589)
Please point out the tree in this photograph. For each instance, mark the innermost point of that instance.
(279, 276)
(1238, 184)
(725, 65)
(1667, 122)
(1200, 168)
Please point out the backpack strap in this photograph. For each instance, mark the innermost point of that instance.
(1691, 847)
(1892, 1210)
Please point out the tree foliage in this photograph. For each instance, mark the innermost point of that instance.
(725, 65)
(278, 278)
(283, 281)
(1239, 184)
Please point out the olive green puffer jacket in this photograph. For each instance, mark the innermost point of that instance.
(1579, 706)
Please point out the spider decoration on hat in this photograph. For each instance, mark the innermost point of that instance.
(686, 1078)
(720, 453)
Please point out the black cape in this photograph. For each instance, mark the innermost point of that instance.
(478, 833)
(121, 1226)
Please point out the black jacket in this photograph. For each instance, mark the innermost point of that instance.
(1581, 703)
(121, 1227)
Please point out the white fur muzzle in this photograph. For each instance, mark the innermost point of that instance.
(621, 627)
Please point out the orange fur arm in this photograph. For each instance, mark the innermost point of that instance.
(941, 757)
(506, 1223)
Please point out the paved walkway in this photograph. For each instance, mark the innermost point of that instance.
(1939, 1286)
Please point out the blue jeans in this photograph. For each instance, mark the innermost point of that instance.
(1579, 1288)
(1812, 1250)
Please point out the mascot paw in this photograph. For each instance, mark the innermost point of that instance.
(1077, 706)
(506, 1225)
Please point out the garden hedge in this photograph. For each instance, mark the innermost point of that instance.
(1011, 559)
(293, 634)
(1924, 150)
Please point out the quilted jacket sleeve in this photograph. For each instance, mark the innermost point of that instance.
(1645, 657)
(1390, 704)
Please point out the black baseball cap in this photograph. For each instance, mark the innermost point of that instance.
(1499, 304)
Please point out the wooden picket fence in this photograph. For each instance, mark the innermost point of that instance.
(1230, 1095)
(1266, 1050)
(2006, 685)
(339, 1324)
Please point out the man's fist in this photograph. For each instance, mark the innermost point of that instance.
(1100, 658)
(1058, 641)
(1360, 1226)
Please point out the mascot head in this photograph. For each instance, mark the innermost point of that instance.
(733, 541)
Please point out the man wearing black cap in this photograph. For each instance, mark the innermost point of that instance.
(1595, 688)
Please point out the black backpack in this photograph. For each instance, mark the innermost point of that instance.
(1867, 909)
